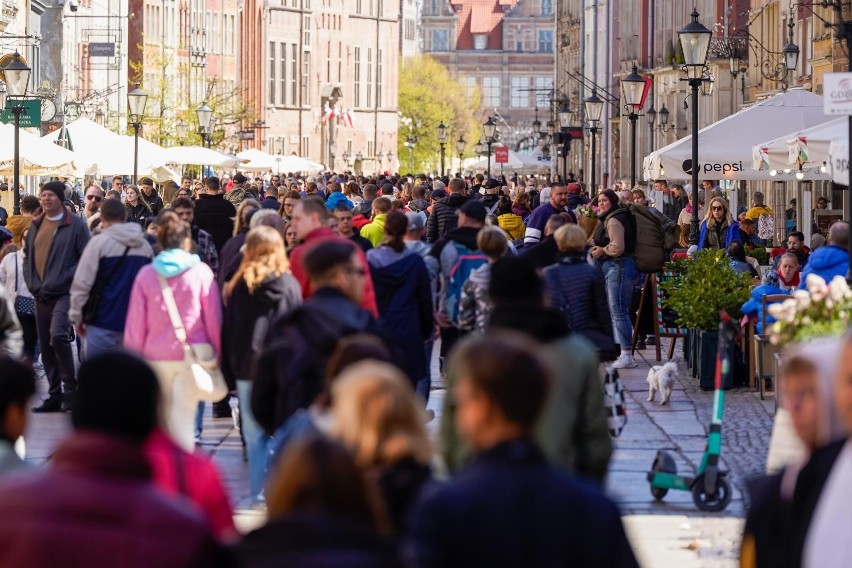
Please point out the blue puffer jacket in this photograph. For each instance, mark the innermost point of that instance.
(828, 261)
(754, 305)
(336, 199)
(577, 289)
(731, 234)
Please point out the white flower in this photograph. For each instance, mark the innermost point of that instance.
(814, 282)
(838, 288)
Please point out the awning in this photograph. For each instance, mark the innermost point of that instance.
(38, 157)
(805, 150)
(725, 147)
(200, 155)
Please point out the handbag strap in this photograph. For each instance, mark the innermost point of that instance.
(172, 309)
(16, 272)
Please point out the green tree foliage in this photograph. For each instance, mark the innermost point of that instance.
(428, 95)
(706, 286)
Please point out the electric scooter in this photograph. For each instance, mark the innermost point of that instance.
(710, 488)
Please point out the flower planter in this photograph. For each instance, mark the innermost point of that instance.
(690, 348)
(708, 345)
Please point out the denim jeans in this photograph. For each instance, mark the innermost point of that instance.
(256, 441)
(620, 275)
(100, 340)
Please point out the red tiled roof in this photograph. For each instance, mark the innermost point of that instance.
(480, 17)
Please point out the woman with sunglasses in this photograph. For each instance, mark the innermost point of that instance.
(718, 229)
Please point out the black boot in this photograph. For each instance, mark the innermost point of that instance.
(68, 400)
(49, 405)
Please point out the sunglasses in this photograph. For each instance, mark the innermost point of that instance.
(717, 208)
(97, 198)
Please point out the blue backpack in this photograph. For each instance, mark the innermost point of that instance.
(468, 260)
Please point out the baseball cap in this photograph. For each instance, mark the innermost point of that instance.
(416, 220)
(474, 209)
(491, 184)
(439, 194)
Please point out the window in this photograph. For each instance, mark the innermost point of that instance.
(304, 151)
(294, 72)
(215, 41)
(546, 7)
(371, 147)
(306, 76)
(520, 92)
(545, 41)
(282, 65)
(349, 148)
(470, 82)
(359, 8)
(271, 94)
(480, 41)
(440, 40)
(369, 77)
(339, 61)
(491, 91)
(307, 39)
(357, 95)
(543, 87)
(379, 70)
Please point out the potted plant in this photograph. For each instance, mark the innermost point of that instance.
(823, 310)
(707, 287)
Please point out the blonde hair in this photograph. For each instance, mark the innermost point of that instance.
(264, 257)
(240, 220)
(377, 415)
(708, 214)
(570, 238)
(492, 242)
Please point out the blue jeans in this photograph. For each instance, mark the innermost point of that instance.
(101, 340)
(256, 441)
(620, 275)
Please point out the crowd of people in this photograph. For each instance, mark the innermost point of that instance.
(322, 299)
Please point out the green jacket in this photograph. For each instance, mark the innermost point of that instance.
(374, 230)
(573, 429)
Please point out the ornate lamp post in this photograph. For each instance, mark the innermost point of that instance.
(205, 117)
(136, 101)
(181, 129)
(564, 116)
(695, 41)
(632, 88)
(17, 78)
(490, 129)
(345, 157)
(594, 109)
(443, 131)
(460, 144)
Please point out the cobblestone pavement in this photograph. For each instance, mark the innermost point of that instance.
(672, 533)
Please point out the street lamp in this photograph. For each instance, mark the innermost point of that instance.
(632, 88)
(390, 161)
(442, 140)
(460, 144)
(695, 41)
(182, 129)
(564, 116)
(205, 117)
(17, 76)
(490, 129)
(345, 157)
(359, 160)
(100, 116)
(136, 101)
(331, 155)
(594, 110)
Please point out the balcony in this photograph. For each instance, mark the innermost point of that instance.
(8, 11)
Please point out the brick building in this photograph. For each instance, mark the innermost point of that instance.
(505, 47)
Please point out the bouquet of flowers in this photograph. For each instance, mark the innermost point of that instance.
(820, 311)
(587, 218)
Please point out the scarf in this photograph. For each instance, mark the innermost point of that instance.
(794, 283)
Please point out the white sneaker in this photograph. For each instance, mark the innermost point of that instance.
(624, 361)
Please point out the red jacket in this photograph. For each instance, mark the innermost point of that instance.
(321, 235)
(95, 505)
(180, 474)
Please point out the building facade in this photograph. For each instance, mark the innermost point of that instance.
(506, 48)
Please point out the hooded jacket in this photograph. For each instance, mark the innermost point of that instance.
(443, 218)
(374, 230)
(18, 224)
(216, 216)
(418, 205)
(154, 201)
(70, 239)
(246, 320)
(148, 330)
(336, 199)
(512, 225)
(442, 258)
(475, 305)
(401, 282)
(105, 265)
(138, 213)
(827, 262)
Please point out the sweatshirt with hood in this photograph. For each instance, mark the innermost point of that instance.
(827, 262)
(105, 266)
(149, 330)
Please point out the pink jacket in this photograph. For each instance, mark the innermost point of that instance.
(149, 330)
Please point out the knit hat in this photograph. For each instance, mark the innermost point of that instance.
(56, 187)
(574, 188)
(474, 209)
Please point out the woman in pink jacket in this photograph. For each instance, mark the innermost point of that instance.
(149, 330)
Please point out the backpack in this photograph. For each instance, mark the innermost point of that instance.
(468, 260)
(656, 237)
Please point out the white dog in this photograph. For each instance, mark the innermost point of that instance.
(661, 378)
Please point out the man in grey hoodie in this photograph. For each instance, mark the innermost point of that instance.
(104, 278)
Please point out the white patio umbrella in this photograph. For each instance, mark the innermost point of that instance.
(201, 156)
(725, 147)
(808, 148)
(839, 159)
(39, 157)
(257, 160)
(515, 162)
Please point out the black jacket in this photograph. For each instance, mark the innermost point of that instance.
(154, 201)
(70, 239)
(290, 369)
(138, 213)
(578, 291)
(316, 540)
(362, 243)
(542, 254)
(246, 319)
(230, 257)
(400, 485)
(216, 216)
(443, 217)
(270, 203)
(509, 507)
